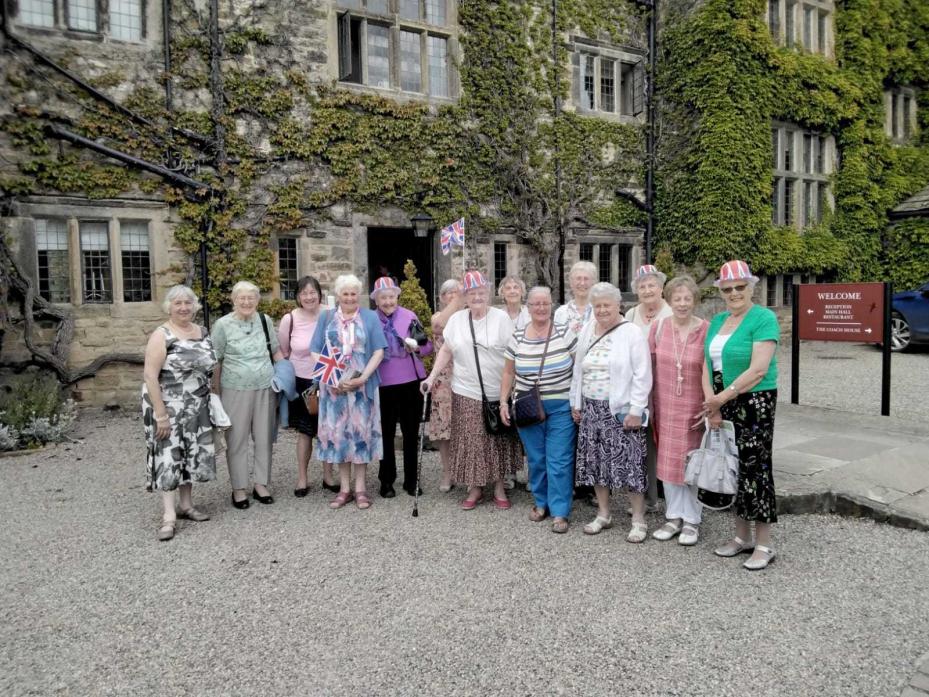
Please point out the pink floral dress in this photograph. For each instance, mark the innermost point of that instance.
(440, 418)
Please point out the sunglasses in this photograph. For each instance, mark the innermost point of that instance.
(738, 289)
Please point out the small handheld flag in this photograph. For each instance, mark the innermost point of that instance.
(329, 366)
(453, 235)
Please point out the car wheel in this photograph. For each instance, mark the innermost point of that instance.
(899, 332)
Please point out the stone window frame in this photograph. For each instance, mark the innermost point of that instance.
(617, 261)
(900, 111)
(279, 290)
(629, 79)
(61, 22)
(798, 172)
(353, 16)
(72, 215)
(790, 24)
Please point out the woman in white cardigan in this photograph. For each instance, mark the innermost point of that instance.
(609, 394)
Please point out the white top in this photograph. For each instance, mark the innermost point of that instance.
(630, 376)
(637, 316)
(568, 314)
(596, 370)
(716, 350)
(493, 332)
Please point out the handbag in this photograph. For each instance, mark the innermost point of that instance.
(490, 410)
(311, 399)
(528, 409)
(417, 332)
(714, 467)
(218, 416)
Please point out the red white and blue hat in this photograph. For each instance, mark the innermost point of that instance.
(735, 270)
(473, 279)
(384, 283)
(645, 271)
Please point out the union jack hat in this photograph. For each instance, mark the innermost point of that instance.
(735, 270)
(384, 283)
(647, 270)
(473, 279)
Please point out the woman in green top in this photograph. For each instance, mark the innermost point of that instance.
(246, 348)
(740, 385)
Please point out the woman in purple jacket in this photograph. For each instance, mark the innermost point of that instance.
(401, 372)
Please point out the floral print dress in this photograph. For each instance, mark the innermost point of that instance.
(187, 454)
(439, 426)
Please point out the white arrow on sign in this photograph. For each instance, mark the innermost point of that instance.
(809, 312)
(868, 330)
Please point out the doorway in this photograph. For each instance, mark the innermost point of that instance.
(390, 247)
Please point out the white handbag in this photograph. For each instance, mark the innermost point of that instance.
(715, 465)
(218, 416)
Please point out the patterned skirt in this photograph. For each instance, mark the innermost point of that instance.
(187, 454)
(349, 427)
(752, 414)
(439, 426)
(607, 454)
(479, 458)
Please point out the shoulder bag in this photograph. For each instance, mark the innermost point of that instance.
(714, 466)
(490, 411)
(311, 394)
(528, 409)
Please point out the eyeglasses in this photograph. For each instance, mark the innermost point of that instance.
(738, 289)
(540, 304)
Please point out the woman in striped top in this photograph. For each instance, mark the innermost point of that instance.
(549, 445)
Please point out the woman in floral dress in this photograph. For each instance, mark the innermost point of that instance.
(179, 363)
(439, 427)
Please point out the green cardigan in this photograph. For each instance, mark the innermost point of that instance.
(759, 324)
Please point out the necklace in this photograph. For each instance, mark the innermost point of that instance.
(247, 325)
(679, 357)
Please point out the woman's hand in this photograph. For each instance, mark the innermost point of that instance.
(714, 403)
(425, 387)
(505, 412)
(576, 415)
(352, 384)
(716, 419)
(162, 426)
(632, 422)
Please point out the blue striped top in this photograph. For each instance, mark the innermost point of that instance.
(559, 361)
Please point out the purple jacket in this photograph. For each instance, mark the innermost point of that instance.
(397, 370)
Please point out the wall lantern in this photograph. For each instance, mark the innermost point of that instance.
(422, 224)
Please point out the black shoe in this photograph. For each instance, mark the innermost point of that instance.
(262, 499)
(409, 490)
(300, 493)
(387, 492)
(240, 504)
(334, 488)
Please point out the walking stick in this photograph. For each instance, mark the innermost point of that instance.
(427, 404)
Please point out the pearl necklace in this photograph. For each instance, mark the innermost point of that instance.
(679, 357)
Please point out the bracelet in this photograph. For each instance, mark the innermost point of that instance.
(732, 387)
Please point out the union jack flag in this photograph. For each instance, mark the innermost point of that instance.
(453, 235)
(329, 367)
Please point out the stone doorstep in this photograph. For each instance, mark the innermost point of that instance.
(851, 506)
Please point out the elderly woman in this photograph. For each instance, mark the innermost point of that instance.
(577, 312)
(676, 344)
(542, 355)
(512, 290)
(294, 335)
(400, 374)
(740, 385)
(179, 363)
(246, 348)
(349, 411)
(648, 284)
(476, 339)
(609, 393)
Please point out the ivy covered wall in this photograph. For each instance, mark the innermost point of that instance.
(723, 82)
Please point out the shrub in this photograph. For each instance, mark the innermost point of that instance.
(33, 412)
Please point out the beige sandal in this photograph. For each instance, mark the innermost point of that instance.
(193, 514)
(166, 531)
(637, 533)
(597, 525)
(734, 547)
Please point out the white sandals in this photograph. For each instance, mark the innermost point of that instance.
(637, 533)
(759, 564)
(667, 531)
(689, 535)
(734, 547)
(597, 525)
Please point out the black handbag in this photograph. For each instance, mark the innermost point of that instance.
(527, 408)
(417, 333)
(490, 410)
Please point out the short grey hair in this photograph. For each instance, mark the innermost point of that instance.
(348, 280)
(682, 282)
(541, 290)
(244, 287)
(605, 290)
(587, 266)
(179, 291)
(449, 286)
(512, 279)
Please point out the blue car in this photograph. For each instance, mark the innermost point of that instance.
(909, 319)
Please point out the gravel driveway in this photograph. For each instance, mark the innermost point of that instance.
(295, 599)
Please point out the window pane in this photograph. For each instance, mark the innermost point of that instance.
(137, 268)
(771, 295)
(788, 202)
(788, 288)
(809, 189)
(38, 13)
(626, 87)
(774, 148)
(51, 241)
(435, 12)
(82, 15)
(808, 13)
(379, 6)
(586, 252)
(378, 55)
(907, 105)
(604, 263)
(287, 267)
(807, 153)
(499, 262)
(776, 205)
(126, 19)
(774, 19)
(410, 69)
(894, 115)
(438, 66)
(95, 259)
(789, 24)
(587, 82)
(820, 146)
(607, 85)
(622, 273)
(409, 9)
(820, 202)
(821, 38)
(788, 159)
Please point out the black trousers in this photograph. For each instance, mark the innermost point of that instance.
(401, 404)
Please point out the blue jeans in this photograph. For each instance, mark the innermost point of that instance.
(550, 452)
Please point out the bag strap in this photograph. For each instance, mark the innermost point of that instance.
(551, 327)
(613, 328)
(264, 326)
(477, 360)
(413, 321)
(290, 334)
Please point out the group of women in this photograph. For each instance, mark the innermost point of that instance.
(617, 398)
